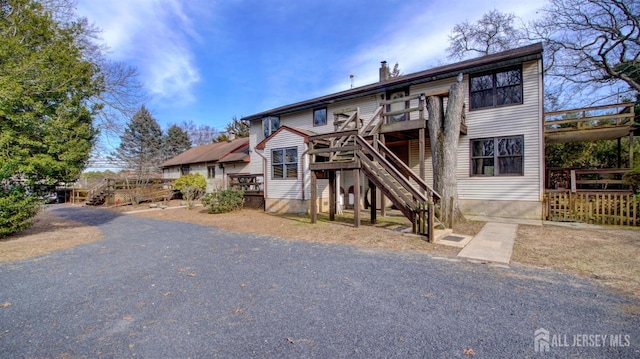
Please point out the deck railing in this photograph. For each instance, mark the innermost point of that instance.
(589, 117)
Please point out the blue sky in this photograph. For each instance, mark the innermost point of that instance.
(208, 61)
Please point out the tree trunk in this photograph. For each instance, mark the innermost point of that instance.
(444, 133)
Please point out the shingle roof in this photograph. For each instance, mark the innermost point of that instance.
(213, 152)
(484, 63)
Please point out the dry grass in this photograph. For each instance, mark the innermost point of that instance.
(385, 234)
(607, 255)
(50, 233)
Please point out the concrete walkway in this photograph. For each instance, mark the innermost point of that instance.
(494, 243)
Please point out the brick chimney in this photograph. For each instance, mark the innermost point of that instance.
(385, 74)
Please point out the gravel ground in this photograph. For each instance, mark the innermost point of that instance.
(168, 289)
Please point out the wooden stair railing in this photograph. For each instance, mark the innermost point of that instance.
(98, 193)
(397, 187)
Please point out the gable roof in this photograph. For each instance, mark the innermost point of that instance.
(480, 64)
(239, 155)
(298, 131)
(212, 152)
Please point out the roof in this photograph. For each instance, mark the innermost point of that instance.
(480, 64)
(239, 155)
(213, 152)
(298, 131)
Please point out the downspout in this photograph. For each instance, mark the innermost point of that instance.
(264, 176)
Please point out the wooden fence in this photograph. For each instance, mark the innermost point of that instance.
(593, 207)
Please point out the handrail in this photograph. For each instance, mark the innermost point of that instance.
(377, 114)
(583, 109)
(349, 119)
(99, 186)
(408, 172)
(408, 202)
(332, 135)
(390, 168)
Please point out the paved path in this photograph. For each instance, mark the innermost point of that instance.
(160, 289)
(494, 243)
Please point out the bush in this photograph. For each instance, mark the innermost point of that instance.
(223, 201)
(191, 186)
(17, 211)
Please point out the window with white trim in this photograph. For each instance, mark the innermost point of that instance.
(499, 156)
(284, 163)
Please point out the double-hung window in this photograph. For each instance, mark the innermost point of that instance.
(499, 156)
(270, 124)
(211, 171)
(284, 163)
(497, 88)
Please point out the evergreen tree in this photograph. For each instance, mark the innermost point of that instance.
(140, 151)
(176, 141)
(46, 122)
(236, 127)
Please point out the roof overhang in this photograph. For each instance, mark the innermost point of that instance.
(481, 64)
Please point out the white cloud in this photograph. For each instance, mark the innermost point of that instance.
(417, 37)
(154, 36)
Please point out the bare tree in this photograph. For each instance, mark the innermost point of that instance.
(199, 135)
(591, 43)
(494, 32)
(444, 132)
(396, 71)
(121, 92)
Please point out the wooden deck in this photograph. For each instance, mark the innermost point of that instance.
(590, 123)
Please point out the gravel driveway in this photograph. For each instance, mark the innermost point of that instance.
(159, 289)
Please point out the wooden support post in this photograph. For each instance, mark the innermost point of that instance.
(383, 199)
(421, 150)
(631, 150)
(332, 195)
(373, 190)
(430, 221)
(314, 197)
(619, 153)
(356, 197)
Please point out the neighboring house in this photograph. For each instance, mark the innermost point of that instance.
(215, 161)
(501, 146)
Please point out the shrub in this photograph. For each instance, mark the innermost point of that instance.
(17, 211)
(191, 186)
(223, 201)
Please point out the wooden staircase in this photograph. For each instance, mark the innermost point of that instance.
(99, 194)
(355, 145)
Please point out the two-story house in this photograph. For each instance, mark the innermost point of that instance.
(500, 153)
